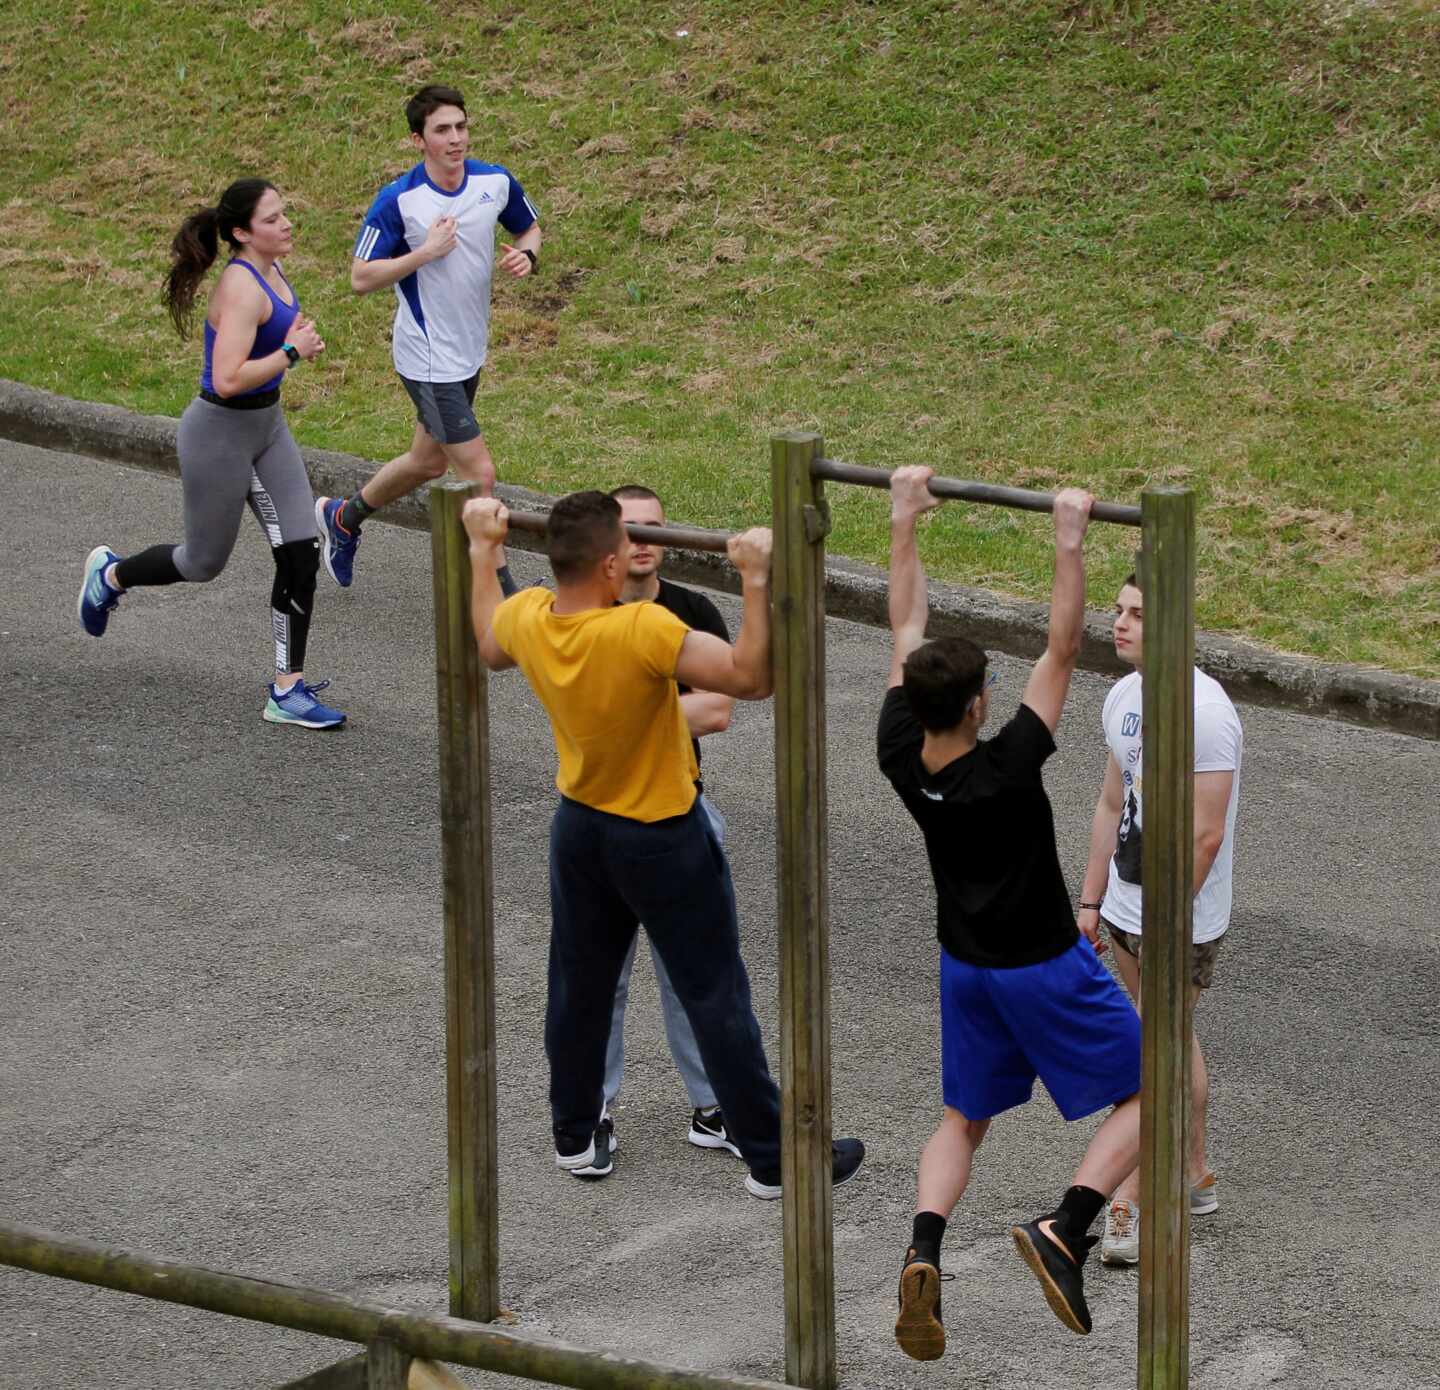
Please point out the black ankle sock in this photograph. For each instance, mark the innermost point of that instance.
(926, 1235)
(508, 585)
(1078, 1210)
(355, 510)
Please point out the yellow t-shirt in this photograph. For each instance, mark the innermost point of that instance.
(607, 680)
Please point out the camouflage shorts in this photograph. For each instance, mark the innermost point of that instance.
(1202, 953)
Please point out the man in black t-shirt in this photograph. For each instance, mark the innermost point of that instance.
(1022, 994)
(706, 713)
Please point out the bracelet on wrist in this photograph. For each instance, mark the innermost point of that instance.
(1091, 907)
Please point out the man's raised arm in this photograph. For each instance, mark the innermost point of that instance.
(910, 495)
(487, 520)
(1049, 682)
(743, 671)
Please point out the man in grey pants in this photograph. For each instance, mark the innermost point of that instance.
(705, 713)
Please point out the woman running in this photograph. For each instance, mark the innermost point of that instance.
(233, 441)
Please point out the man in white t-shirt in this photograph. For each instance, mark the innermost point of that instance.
(431, 234)
(1112, 892)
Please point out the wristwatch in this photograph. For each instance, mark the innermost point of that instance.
(293, 353)
(534, 259)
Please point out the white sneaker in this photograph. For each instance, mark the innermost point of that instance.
(1121, 1243)
(1205, 1196)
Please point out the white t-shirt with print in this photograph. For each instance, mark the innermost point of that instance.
(1219, 742)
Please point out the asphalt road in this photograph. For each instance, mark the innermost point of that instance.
(222, 1013)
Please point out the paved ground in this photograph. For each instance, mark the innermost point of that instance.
(221, 1014)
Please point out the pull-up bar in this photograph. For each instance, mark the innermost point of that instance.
(681, 537)
(957, 489)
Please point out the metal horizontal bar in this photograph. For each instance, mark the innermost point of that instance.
(349, 1319)
(959, 490)
(681, 537)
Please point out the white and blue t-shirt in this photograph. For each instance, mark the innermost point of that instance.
(1219, 746)
(442, 320)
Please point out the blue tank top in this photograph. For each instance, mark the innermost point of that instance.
(270, 336)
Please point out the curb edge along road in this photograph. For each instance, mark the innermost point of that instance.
(1357, 695)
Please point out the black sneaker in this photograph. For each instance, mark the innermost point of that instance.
(846, 1156)
(707, 1131)
(1058, 1270)
(596, 1159)
(918, 1328)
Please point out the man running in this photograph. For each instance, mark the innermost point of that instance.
(1112, 893)
(630, 842)
(705, 713)
(431, 234)
(1021, 994)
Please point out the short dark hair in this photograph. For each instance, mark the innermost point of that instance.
(635, 490)
(582, 529)
(1131, 582)
(427, 101)
(940, 680)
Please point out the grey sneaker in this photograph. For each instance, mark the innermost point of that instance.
(1121, 1243)
(1205, 1196)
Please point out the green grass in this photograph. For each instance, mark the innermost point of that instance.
(1029, 243)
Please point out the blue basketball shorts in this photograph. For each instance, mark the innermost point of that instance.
(1064, 1020)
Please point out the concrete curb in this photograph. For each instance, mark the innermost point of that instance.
(1357, 695)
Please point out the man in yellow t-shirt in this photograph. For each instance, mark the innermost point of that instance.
(629, 842)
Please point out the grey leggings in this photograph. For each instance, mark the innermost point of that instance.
(228, 458)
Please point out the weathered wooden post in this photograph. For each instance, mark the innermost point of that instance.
(469, 925)
(387, 1366)
(1168, 868)
(798, 592)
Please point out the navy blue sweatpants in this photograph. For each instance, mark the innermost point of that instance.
(607, 875)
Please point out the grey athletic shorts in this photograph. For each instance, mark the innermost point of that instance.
(444, 408)
(1202, 953)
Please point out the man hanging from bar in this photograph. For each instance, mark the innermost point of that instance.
(1022, 993)
(631, 841)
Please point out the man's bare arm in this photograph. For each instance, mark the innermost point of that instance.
(366, 276)
(1049, 681)
(910, 495)
(706, 712)
(707, 663)
(1104, 825)
(486, 522)
(1212, 802)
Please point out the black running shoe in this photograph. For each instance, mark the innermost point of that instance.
(1058, 1270)
(918, 1328)
(846, 1156)
(596, 1159)
(707, 1131)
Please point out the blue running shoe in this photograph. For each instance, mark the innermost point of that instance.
(97, 598)
(298, 705)
(340, 544)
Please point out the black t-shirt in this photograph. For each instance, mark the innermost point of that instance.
(990, 836)
(695, 611)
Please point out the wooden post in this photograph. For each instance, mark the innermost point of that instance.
(798, 592)
(1167, 869)
(387, 1366)
(469, 920)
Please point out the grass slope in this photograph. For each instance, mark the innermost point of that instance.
(1025, 242)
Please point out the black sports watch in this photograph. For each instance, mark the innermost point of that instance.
(534, 259)
(293, 353)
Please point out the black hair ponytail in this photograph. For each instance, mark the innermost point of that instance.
(197, 243)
